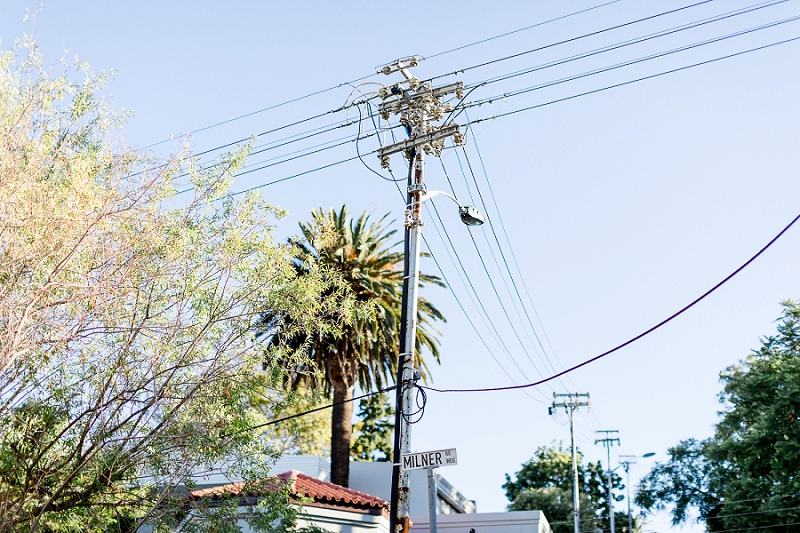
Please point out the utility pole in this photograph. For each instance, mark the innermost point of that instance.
(418, 106)
(572, 403)
(626, 464)
(608, 442)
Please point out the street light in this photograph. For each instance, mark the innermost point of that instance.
(469, 215)
(627, 465)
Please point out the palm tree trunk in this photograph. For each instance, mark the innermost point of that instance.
(341, 433)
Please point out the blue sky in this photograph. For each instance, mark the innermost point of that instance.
(620, 206)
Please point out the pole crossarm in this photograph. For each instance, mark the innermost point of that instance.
(419, 141)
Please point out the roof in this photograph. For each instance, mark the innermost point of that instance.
(322, 493)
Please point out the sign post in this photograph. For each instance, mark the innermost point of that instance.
(432, 498)
(430, 461)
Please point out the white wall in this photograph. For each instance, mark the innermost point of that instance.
(509, 522)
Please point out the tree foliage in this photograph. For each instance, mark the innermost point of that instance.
(746, 474)
(126, 313)
(546, 481)
(365, 352)
(374, 432)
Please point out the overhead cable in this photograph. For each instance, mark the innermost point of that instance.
(640, 335)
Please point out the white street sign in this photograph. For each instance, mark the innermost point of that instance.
(434, 459)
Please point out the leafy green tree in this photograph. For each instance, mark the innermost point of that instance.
(547, 478)
(365, 353)
(556, 504)
(126, 315)
(745, 476)
(374, 432)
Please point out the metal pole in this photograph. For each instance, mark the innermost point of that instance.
(610, 494)
(628, 485)
(398, 519)
(432, 493)
(575, 499)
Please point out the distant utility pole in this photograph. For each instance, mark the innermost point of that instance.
(418, 106)
(626, 464)
(608, 442)
(572, 403)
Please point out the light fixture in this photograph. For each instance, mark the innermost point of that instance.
(469, 215)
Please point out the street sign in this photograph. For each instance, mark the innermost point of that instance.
(434, 459)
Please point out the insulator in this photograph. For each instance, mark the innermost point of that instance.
(385, 114)
(404, 121)
(459, 94)
(427, 148)
(386, 70)
(407, 154)
(384, 92)
(438, 146)
(448, 108)
(413, 62)
(458, 138)
(385, 161)
(413, 83)
(438, 113)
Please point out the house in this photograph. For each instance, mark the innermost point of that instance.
(324, 505)
(364, 507)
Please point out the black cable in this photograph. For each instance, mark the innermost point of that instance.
(630, 42)
(458, 301)
(274, 106)
(640, 335)
(505, 233)
(381, 176)
(505, 262)
(643, 78)
(629, 62)
(500, 301)
(522, 29)
(536, 106)
(572, 39)
(328, 406)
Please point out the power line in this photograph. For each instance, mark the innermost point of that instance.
(630, 42)
(250, 114)
(510, 247)
(544, 104)
(640, 335)
(523, 29)
(322, 408)
(572, 39)
(626, 63)
(505, 262)
(637, 80)
(499, 299)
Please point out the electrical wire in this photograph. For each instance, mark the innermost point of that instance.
(500, 300)
(484, 316)
(640, 335)
(268, 108)
(572, 39)
(505, 262)
(538, 24)
(513, 255)
(322, 408)
(637, 80)
(628, 63)
(630, 42)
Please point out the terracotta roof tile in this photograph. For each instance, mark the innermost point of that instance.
(300, 485)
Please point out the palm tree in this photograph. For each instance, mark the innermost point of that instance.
(365, 352)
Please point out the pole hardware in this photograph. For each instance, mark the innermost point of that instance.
(418, 107)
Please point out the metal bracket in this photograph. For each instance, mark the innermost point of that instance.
(417, 187)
